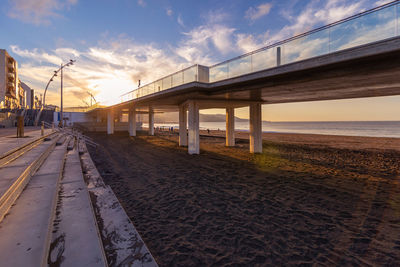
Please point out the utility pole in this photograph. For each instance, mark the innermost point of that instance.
(61, 111)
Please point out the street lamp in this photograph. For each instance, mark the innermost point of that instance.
(71, 62)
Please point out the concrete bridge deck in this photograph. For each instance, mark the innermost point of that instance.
(337, 61)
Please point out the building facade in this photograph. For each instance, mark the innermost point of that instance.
(9, 82)
(29, 96)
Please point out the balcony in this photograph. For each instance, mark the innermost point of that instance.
(11, 77)
(21, 92)
(10, 90)
(11, 68)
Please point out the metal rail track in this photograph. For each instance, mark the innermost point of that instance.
(19, 151)
(12, 193)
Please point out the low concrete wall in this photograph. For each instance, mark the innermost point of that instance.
(7, 119)
(72, 117)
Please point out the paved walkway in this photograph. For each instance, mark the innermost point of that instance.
(8, 140)
(13, 130)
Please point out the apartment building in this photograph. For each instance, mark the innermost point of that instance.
(10, 94)
(29, 96)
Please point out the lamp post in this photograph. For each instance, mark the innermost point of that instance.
(71, 62)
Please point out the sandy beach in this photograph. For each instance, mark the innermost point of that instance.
(308, 199)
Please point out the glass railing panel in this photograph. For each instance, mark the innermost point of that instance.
(152, 88)
(145, 90)
(308, 46)
(398, 19)
(177, 79)
(158, 86)
(128, 97)
(369, 28)
(219, 72)
(375, 26)
(166, 83)
(239, 66)
(190, 75)
(264, 59)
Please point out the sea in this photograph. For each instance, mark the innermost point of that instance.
(350, 128)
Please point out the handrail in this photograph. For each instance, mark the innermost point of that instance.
(219, 74)
(310, 32)
(73, 132)
(162, 78)
(165, 77)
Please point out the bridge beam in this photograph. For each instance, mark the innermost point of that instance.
(97, 117)
(230, 127)
(151, 121)
(183, 138)
(194, 137)
(255, 129)
(110, 121)
(132, 121)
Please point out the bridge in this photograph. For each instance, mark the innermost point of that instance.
(356, 57)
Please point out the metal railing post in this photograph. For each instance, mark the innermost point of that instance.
(278, 56)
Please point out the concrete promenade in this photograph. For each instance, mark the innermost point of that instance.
(47, 216)
(9, 142)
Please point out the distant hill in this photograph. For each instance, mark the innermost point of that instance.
(173, 117)
(217, 118)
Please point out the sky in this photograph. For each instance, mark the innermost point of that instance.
(116, 43)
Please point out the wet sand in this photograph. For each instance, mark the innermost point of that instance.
(308, 199)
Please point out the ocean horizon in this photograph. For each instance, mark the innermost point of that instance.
(349, 128)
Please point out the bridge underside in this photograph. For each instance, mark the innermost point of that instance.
(366, 71)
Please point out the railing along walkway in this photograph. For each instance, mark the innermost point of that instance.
(374, 25)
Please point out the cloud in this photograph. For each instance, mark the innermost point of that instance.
(314, 15)
(39, 56)
(108, 69)
(205, 43)
(180, 21)
(39, 11)
(247, 42)
(141, 3)
(382, 2)
(258, 12)
(169, 11)
(112, 68)
(199, 44)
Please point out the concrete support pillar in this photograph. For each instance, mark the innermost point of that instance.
(230, 127)
(255, 129)
(132, 121)
(194, 137)
(151, 121)
(183, 139)
(110, 121)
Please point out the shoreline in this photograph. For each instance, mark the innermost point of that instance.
(389, 129)
(334, 141)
